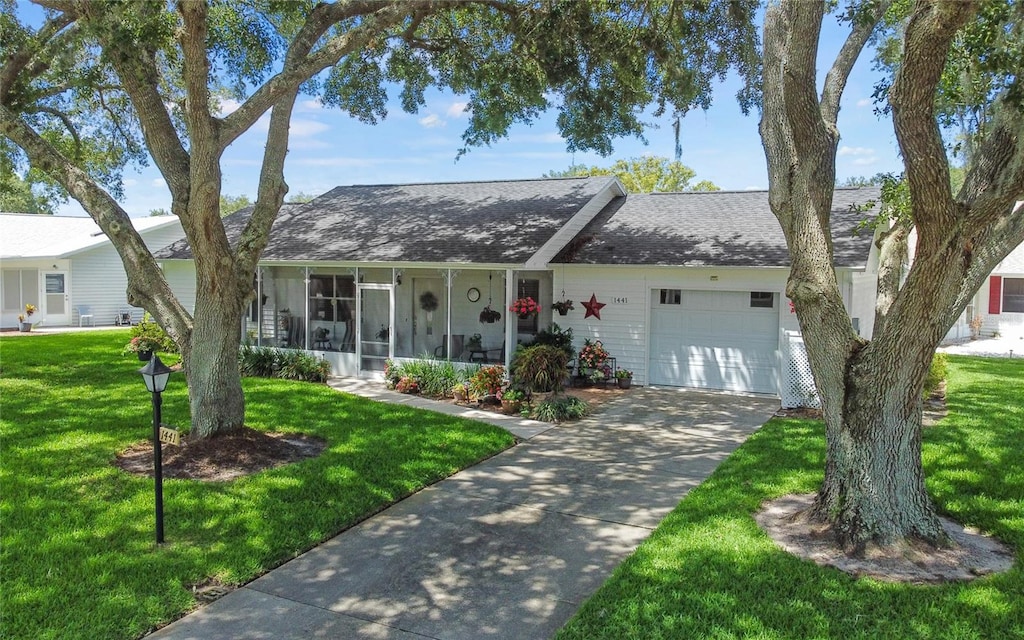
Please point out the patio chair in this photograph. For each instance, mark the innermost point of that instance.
(458, 346)
(123, 317)
(85, 313)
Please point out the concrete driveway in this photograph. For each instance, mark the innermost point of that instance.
(507, 549)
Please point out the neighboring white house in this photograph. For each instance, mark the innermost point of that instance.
(687, 288)
(66, 267)
(999, 303)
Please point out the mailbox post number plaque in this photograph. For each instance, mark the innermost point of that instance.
(170, 436)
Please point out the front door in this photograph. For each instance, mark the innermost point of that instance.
(375, 308)
(56, 298)
(428, 315)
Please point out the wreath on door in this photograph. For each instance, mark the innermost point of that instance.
(428, 301)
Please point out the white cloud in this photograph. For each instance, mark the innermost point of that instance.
(311, 105)
(302, 128)
(864, 162)
(431, 121)
(456, 110)
(129, 182)
(159, 183)
(229, 105)
(864, 102)
(855, 151)
(551, 137)
(753, 188)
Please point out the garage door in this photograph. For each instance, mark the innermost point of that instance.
(724, 340)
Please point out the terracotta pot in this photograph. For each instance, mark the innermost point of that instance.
(461, 396)
(511, 406)
(144, 356)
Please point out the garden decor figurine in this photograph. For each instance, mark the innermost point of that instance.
(525, 307)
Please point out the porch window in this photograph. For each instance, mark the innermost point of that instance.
(528, 289)
(332, 303)
(20, 287)
(1013, 295)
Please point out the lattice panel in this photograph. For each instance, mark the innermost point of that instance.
(798, 383)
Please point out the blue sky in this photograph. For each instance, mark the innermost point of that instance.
(328, 148)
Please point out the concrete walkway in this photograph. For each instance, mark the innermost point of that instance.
(507, 549)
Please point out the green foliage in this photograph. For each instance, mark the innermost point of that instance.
(709, 571)
(77, 558)
(556, 337)
(561, 409)
(540, 368)
(646, 174)
(17, 194)
(487, 381)
(937, 373)
(435, 378)
(149, 336)
(287, 364)
(231, 204)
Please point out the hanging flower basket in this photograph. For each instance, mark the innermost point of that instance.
(489, 315)
(525, 307)
(563, 307)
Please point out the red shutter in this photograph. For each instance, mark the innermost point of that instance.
(995, 295)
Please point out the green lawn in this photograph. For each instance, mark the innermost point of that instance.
(78, 558)
(709, 572)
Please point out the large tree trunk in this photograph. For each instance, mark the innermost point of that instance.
(210, 360)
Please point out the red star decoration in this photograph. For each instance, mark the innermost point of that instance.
(593, 307)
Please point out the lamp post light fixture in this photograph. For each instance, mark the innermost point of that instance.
(155, 375)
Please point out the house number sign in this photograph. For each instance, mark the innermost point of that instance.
(620, 300)
(170, 436)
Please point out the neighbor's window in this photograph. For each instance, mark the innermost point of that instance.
(762, 299)
(671, 296)
(1013, 295)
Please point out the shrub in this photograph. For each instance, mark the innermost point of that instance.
(561, 409)
(540, 368)
(407, 384)
(555, 337)
(267, 362)
(151, 337)
(487, 381)
(936, 373)
(435, 378)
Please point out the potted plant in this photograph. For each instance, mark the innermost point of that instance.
(148, 337)
(383, 333)
(487, 382)
(460, 392)
(407, 384)
(525, 307)
(563, 307)
(24, 324)
(489, 315)
(511, 400)
(475, 342)
(624, 378)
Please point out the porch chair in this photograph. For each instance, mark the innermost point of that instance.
(458, 346)
(85, 313)
(124, 317)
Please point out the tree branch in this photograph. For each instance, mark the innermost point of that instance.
(63, 118)
(146, 282)
(835, 80)
(19, 60)
(929, 33)
(300, 65)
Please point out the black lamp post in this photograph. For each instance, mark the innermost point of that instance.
(155, 374)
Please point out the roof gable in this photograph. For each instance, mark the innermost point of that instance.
(710, 228)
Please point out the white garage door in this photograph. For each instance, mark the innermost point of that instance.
(725, 340)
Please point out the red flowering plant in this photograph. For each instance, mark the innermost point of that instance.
(488, 381)
(592, 354)
(525, 307)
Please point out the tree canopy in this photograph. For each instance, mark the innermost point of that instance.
(100, 85)
(645, 174)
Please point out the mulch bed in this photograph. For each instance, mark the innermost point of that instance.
(224, 457)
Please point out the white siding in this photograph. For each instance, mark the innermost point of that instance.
(623, 327)
(861, 305)
(98, 277)
(181, 276)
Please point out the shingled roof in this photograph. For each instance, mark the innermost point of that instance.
(716, 228)
(499, 222)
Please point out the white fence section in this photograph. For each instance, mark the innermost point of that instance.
(798, 388)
